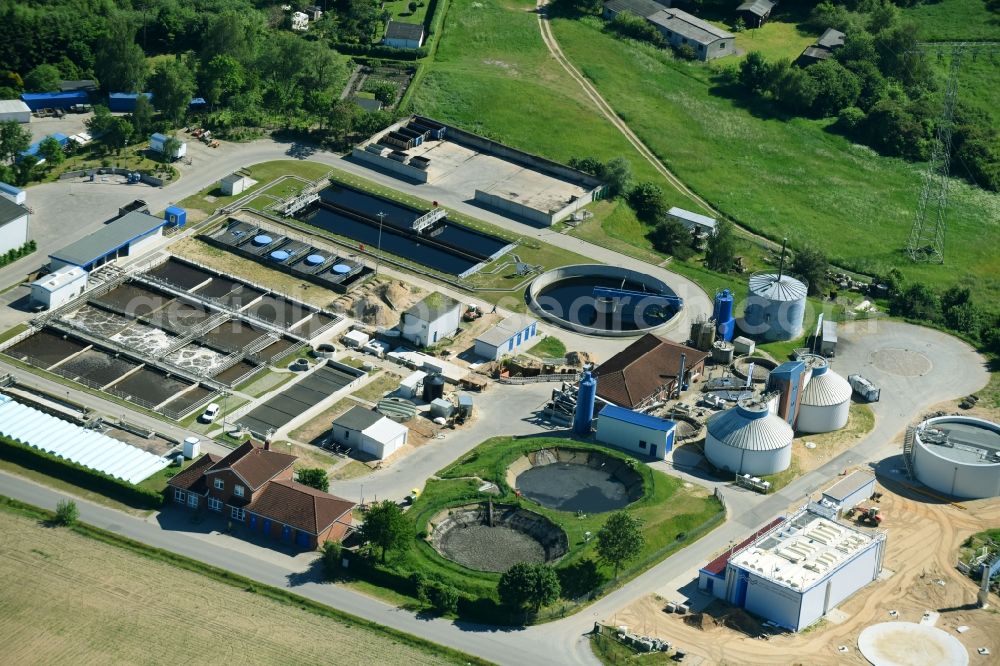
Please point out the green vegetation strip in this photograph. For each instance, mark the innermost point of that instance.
(139, 497)
(241, 582)
(672, 518)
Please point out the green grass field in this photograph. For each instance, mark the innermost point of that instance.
(775, 39)
(493, 75)
(782, 177)
(954, 20)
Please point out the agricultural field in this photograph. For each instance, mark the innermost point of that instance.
(67, 597)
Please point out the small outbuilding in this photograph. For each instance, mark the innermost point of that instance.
(755, 12)
(128, 236)
(158, 143)
(434, 318)
(300, 21)
(235, 183)
(823, 49)
(506, 337)
(13, 225)
(14, 109)
(852, 489)
(59, 287)
(693, 221)
(11, 193)
(403, 35)
(369, 432)
(636, 432)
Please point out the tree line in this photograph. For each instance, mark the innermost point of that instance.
(880, 87)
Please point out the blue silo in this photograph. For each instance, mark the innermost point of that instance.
(722, 313)
(584, 415)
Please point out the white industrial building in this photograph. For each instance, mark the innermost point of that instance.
(635, 432)
(434, 318)
(703, 224)
(59, 287)
(410, 384)
(369, 432)
(956, 455)
(87, 448)
(853, 489)
(825, 402)
(749, 439)
(507, 337)
(14, 109)
(235, 183)
(795, 570)
(158, 143)
(13, 225)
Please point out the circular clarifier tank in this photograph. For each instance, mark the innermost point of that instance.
(315, 259)
(494, 537)
(279, 255)
(341, 269)
(262, 240)
(574, 480)
(603, 300)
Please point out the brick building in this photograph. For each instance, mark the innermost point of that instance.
(254, 486)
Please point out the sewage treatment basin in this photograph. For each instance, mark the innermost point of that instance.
(575, 480)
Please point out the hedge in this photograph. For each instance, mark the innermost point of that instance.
(78, 475)
(379, 51)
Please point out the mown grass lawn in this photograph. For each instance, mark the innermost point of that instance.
(946, 20)
(782, 176)
(672, 516)
(549, 347)
(493, 75)
(775, 39)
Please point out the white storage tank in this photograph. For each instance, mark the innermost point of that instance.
(749, 439)
(191, 447)
(958, 456)
(775, 307)
(825, 403)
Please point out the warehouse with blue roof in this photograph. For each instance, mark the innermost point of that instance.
(636, 432)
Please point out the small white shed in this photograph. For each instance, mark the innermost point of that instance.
(60, 287)
(702, 223)
(235, 183)
(369, 432)
(158, 143)
(506, 337)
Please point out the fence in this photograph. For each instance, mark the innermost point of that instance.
(567, 377)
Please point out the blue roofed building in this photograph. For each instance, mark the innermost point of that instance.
(635, 432)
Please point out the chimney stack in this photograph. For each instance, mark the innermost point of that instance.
(267, 444)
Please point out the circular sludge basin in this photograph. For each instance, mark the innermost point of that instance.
(910, 644)
(495, 538)
(636, 303)
(570, 480)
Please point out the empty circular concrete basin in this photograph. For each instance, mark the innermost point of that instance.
(575, 480)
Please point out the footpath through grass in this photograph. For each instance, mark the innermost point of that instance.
(781, 176)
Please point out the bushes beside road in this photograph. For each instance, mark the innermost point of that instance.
(98, 482)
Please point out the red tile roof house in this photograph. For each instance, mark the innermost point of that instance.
(253, 485)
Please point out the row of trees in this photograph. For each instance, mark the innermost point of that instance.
(880, 87)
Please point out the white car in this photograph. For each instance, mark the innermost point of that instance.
(210, 413)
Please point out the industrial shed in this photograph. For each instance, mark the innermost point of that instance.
(506, 337)
(755, 12)
(646, 370)
(13, 225)
(59, 287)
(127, 236)
(794, 571)
(14, 109)
(54, 100)
(369, 432)
(637, 433)
(86, 448)
(703, 224)
(235, 183)
(434, 318)
(848, 492)
(404, 35)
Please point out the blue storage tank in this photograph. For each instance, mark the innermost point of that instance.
(583, 417)
(175, 217)
(776, 306)
(722, 313)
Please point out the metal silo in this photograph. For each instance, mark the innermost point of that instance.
(749, 439)
(776, 305)
(583, 417)
(826, 400)
(722, 313)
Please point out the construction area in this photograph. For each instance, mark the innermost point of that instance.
(920, 584)
(474, 168)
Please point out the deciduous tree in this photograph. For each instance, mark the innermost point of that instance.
(44, 78)
(120, 63)
(386, 528)
(14, 139)
(314, 477)
(620, 539)
(721, 251)
(528, 585)
(172, 86)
